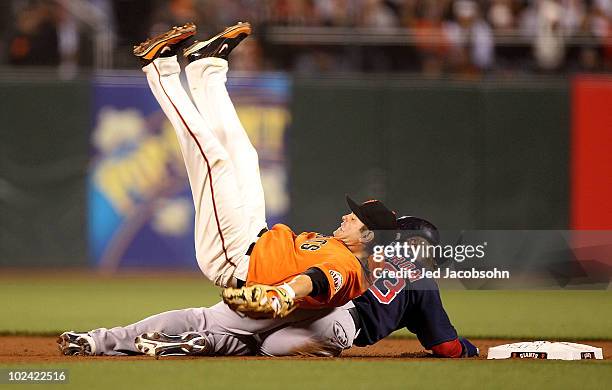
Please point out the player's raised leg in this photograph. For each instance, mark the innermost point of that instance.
(207, 75)
(222, 236)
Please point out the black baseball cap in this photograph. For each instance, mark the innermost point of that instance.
(374, 214)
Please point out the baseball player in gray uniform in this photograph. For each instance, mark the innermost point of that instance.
(388, 305)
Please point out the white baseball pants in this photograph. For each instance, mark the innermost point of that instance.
(222, 164)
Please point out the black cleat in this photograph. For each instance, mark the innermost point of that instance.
(161, 344)
(220, 45)
(164, 45)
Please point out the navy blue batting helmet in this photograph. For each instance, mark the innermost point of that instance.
(419, 227)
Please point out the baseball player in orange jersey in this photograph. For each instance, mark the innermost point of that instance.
(234, 248)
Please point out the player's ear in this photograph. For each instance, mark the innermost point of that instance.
(366, 236)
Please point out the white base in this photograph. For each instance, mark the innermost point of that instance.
(545, 350)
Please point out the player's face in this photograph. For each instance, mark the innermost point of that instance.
(349, 230)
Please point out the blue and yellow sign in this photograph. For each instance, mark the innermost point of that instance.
(140, 207)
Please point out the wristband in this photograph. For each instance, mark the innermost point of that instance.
(289, 290)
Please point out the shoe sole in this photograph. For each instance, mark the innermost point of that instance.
(152, 344)
(63, 344)
(230, 32)
(148, 49)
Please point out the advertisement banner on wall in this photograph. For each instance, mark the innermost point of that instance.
(140, 207)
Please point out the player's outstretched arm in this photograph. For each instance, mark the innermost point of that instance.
(263, 301)
(312, 283)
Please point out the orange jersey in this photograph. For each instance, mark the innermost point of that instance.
(280, 255)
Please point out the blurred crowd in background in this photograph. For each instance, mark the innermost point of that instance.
(433, 37)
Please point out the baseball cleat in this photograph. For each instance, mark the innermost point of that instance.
(75, 343)
(164, 45)
(161, 344)
(220, 45)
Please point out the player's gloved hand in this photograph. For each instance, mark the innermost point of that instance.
(260, 300)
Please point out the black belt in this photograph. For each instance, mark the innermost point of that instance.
(356, 319)
(239, 282)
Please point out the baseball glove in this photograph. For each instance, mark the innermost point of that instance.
(259, 301)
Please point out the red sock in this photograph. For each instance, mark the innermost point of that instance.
(451, 349)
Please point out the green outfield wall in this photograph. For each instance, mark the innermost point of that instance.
(465, 154)
(43, 165)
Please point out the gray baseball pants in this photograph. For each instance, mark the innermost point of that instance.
(324, 332)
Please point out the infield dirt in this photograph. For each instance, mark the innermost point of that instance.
(26, 349)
